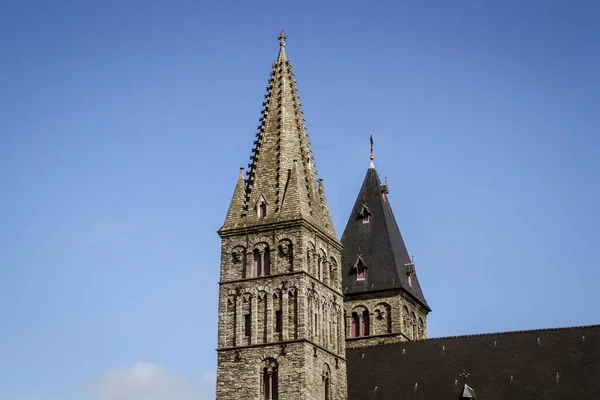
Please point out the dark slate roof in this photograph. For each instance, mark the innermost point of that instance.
(549, 364)
(379, 243)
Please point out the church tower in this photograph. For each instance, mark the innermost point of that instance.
(281, 330)
(384, 302)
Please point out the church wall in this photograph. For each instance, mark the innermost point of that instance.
(302, 368)
(303, 286)
(240, 372)
(322, 365)
(393, 318)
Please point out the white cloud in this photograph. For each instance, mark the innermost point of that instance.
(148, 381)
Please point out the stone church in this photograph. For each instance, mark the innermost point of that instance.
(303, 315)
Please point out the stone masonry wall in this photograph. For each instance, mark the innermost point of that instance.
(392, 318)
(302, 370)
(302, 295)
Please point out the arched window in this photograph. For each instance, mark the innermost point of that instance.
(267, 261)
(361, 269)
(270, 380)
(327, 382)
(319, 268)
(262, 209)
(262, 262)
(355, 331)
(366, 323)
(257, 263)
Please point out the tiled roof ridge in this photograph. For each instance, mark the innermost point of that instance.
(563, 328)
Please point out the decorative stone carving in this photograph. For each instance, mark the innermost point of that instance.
(238, 254)
(285, 248)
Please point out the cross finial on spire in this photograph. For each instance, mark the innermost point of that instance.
(372, 155)
(282, 37)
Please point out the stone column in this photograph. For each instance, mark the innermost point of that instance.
(341, 337)
(269, 317)
(302, 313)
(284, 315)
(263, 271)
(250, 270)
(254, 319)
(239, 332)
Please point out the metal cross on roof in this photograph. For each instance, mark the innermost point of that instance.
(372, 155)
(282, 37)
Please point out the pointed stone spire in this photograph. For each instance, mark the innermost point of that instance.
(238, 200)
(282, 166)
(282, 38)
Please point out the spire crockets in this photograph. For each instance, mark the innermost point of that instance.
(281, 182)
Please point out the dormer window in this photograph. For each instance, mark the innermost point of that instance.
(365, 214)
(360, 273)
(361, 269)
(262, 210)
(262, 207)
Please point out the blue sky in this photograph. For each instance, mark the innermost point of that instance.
(123, 125)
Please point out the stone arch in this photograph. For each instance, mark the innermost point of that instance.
(360, 321)
(321, 261)
(269, 388)
(277, 315)
(359, 308)
(311, 258)
(315, 315)
(247, 327)
(292, 314)
(326, 375)
(406, 323)
(261, 259)
(261, 317)
(382, 319)
(421, 329)
(231, 320)
(334, 279)
(285, 256)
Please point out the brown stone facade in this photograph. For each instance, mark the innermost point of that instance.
(392, 317)
(290, 317)
(303, 368)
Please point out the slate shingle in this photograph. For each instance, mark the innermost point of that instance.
(379, 243)
(548, 364)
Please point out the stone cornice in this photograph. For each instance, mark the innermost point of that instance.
(286, 274)
(276, 225)
(282, 342)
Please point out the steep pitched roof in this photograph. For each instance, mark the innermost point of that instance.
(546, 364)
(282, 170)
(379, 243)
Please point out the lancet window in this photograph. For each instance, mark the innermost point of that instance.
(270, 381)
